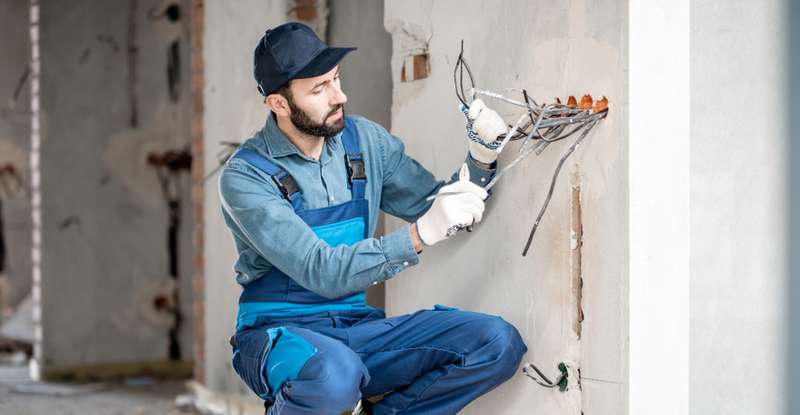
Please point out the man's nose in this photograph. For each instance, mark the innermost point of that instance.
(338, 97)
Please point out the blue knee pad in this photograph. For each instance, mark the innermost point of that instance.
(267, 358)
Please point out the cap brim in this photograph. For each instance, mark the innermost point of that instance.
(323, 62)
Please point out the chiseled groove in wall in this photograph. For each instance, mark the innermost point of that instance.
(576, 249)
(133, 51)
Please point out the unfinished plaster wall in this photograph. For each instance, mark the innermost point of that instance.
(738, 218)
(105, 104)
(552, 49)
(15, 223)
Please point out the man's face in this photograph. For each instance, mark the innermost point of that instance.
(317, 104)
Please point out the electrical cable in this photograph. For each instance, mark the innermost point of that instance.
(546, 124)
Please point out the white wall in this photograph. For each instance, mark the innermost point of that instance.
(552, 49)
(738, 207)
(658, 85)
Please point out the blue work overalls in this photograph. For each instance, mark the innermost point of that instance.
(329, 353)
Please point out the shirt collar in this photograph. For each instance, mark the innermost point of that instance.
(278, 145)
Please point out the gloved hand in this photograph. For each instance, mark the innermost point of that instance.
(456, 206)
(489, 125)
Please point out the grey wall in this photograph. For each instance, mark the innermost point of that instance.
(14, 148)
(104, 220)
(738, 207)
(366, 73)
(552, 49)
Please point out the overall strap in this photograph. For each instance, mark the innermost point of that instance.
(353, 159)
(280, 177)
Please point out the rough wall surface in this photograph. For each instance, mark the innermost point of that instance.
(14, 148)
(738, 199)
(552, 49)
(104, 229)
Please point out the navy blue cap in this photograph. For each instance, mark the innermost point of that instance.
(290, 51)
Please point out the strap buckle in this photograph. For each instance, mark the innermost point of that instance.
(287, 186)
(356, 170)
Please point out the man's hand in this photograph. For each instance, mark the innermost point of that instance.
(489, 126)
(456, 206)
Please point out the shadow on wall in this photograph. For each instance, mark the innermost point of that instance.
(793, 370)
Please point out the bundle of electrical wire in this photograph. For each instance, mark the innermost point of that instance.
(545, 124)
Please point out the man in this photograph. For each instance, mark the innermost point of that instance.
(301, 198)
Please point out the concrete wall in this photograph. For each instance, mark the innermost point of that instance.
(552, 49)
(104, 218)
(14, 149)
(738, 207)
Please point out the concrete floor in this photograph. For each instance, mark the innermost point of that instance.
(21, 396)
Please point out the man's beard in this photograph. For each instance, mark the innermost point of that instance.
(303, 122)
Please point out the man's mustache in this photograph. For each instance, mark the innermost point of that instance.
(338, 107)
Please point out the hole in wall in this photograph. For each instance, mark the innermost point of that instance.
(304, 10)
(173, 12)
(415, 67)
(161, 303)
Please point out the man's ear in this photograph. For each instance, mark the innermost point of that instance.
(278, 104)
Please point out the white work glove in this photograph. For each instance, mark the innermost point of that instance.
(489, 125)
(457, 205)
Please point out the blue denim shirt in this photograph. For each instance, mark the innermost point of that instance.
(268, 233)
